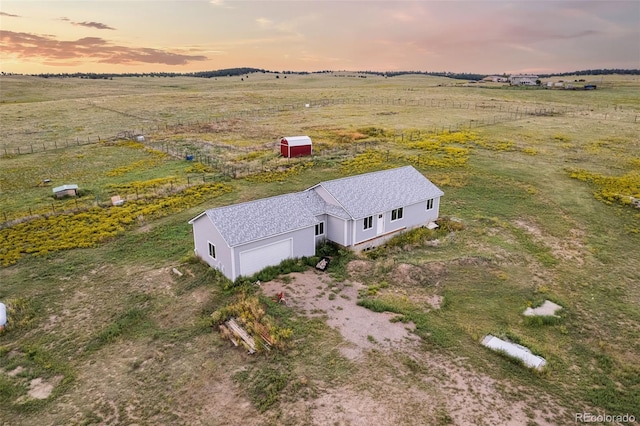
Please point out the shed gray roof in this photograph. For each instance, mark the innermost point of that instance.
(65, 188)
(361, 195)
(371, 193)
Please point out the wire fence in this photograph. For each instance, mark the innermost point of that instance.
(221, 169)
(503, 112)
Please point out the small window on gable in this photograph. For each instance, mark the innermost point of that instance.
(368, 222)
(320, 228)
(396, 214)
(430, 204)
(212, 250)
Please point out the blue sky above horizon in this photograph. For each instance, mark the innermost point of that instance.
(543, 36)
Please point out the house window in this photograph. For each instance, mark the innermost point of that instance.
(212, 250)
(319, 228)
(430, 204)
(396, 214)
(368, 222)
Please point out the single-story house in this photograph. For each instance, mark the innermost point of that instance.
(358, 212)
(523, 80)
(64, 190)
(295, 146)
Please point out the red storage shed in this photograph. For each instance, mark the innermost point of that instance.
(295, 146)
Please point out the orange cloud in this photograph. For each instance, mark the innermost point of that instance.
(50, 50)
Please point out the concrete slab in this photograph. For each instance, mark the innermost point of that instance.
(514, 350)
(548, 308)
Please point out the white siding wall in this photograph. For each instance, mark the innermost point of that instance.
(434, 213)
(361, 233)
(335, 230)
(203, 233)
(412, 216)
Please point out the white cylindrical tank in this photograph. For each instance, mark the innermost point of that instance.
(3, 315)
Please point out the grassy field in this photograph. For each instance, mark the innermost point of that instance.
(541, 180)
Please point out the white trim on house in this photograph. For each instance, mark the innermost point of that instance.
(398, 213)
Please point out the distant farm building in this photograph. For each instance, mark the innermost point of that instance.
(523, 80)
(496, 79)
(295, 146)
(65, 190)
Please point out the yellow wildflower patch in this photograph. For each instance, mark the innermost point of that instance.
(253, 155)
(364, 162)
(279, 175)
(198, 167)
(156, 158)
(44, 235)
(251, 314)
(131, 187)
(612, 189)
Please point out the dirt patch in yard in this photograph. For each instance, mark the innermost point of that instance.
(313, 293)
(571, 247)
(360, 269)
(430, 274)
(396, 375)
(41, 389)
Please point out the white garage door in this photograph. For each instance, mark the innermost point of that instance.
(254, 260)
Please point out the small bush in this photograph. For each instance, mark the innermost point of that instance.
(377, 305)
(338, 265)
(540, 320)
(251, 313)
(265, 385)
(450, 225)
(328, 248)
(285, 267)
(21, 313)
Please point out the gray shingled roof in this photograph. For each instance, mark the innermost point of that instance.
(371, 193)
(253, 220)
(361, 196)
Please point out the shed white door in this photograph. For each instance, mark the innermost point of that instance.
(254, 260)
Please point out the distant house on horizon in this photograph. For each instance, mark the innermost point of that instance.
(496, 79)
(523, 80)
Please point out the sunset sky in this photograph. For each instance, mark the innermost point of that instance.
(539, 36)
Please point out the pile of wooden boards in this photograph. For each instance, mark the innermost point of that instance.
(239, 336)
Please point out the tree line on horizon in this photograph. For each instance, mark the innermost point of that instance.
(234, 72)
